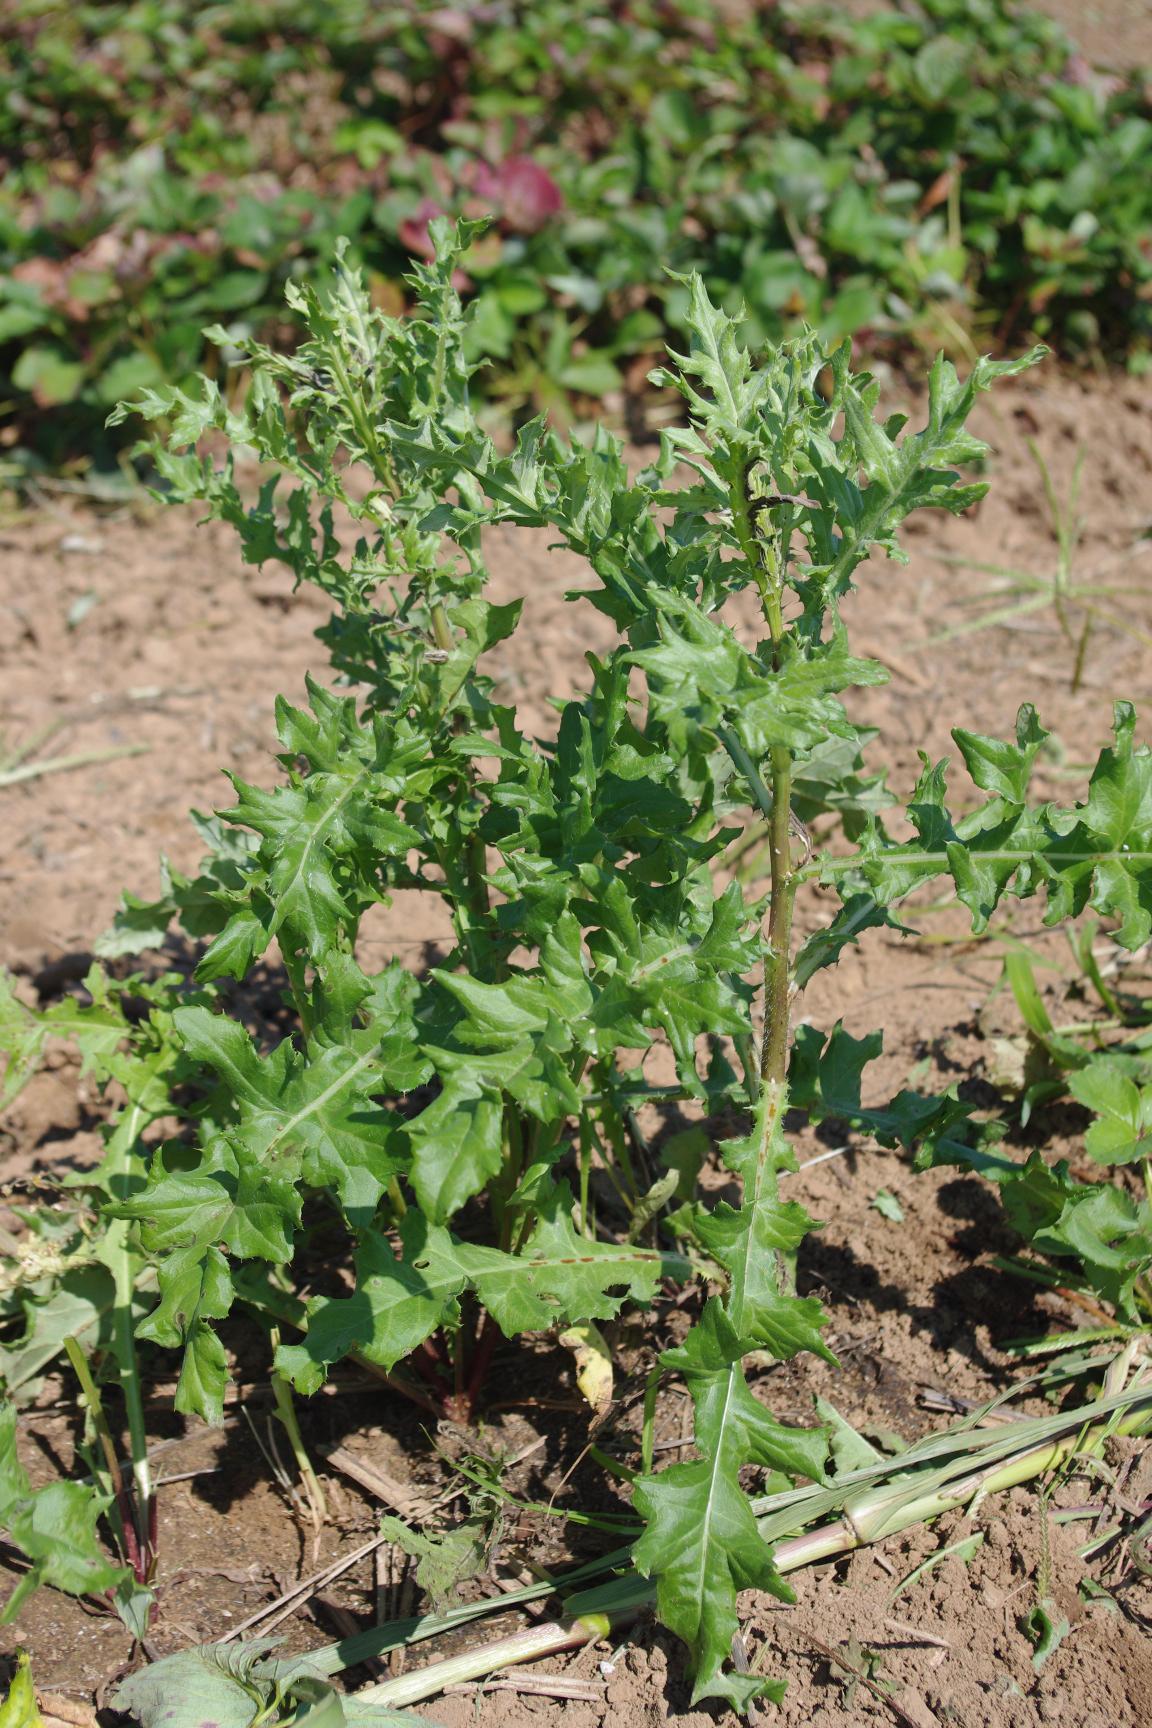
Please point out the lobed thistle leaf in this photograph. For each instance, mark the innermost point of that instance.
(702, 1544)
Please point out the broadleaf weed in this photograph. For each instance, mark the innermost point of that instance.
(470, 1126)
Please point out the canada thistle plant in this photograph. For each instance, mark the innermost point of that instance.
(473, 1128)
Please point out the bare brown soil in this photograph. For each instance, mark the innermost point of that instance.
(1113, 34)
(138, 628)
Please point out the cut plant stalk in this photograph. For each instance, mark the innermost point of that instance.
(65, 764)
(894, 1496)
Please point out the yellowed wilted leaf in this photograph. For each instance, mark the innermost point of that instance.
(593, 1364)
(19, 1709)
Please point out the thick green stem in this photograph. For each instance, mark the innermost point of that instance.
(778, 959)
(476, 862)
(126, 1361)
(763, 554)
(615, 1130)
(128, 1514)
(296, 968)
(745, 766)
(95, 1407)
(503, 1186)
(775, 804)
(396, 1196)
(379, 458)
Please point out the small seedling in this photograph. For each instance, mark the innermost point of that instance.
(888, 1206)
(1090, 1239)
(1080, 601)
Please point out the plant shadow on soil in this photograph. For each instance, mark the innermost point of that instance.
(961, 1302)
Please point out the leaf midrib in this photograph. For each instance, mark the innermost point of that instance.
(317, 833)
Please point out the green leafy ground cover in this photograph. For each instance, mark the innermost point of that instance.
(464, 1140)
(948, 168)
(1090, 1237)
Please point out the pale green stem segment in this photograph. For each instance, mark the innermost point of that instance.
(95, 1406)
(475, 911)
(286, 1411)
(62, 764)
(135, 1546)
(123, 1273)
(526, 1646)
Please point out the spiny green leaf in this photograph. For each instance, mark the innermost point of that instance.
(232, 1200)
(203, 1374)
(903, 474)
(720, 360)
(97, 1028)
(557, 1274)
(1094, 1224)
(685, 983)
(323, 837)
(701, 678)
(1122, 1131)
(702, 1543)
(998, 766)
(196, 1286)
(457, 1146)
(824, 946)
(825, 1079)
(756, 1242)
(396, 1305)
(54, 1527)
(1096, 854)
(312, 1115)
